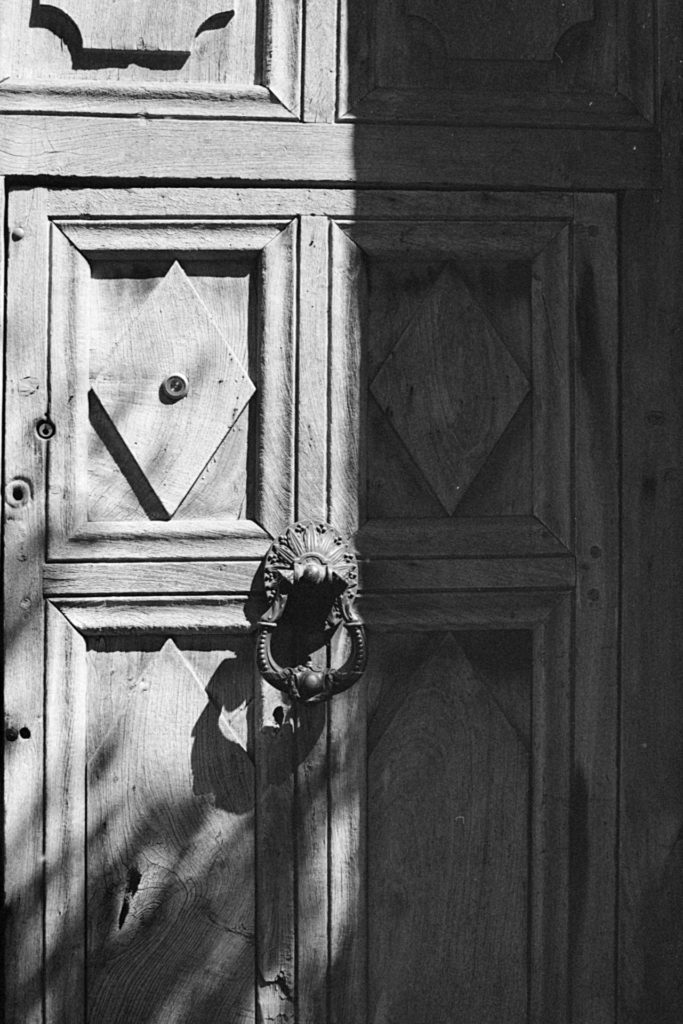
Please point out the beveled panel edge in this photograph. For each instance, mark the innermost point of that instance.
(108, 616)
(101, 238)
(143, 100)
(71, 536)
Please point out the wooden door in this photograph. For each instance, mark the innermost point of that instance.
(388, 267)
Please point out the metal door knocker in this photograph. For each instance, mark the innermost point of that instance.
(313, 562)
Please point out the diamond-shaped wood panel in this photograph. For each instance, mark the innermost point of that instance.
(450, 387)
(172, 438)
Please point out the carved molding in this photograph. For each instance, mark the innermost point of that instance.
(518, 31)
(139, 26)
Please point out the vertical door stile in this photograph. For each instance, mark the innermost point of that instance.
(312, 722)
(597, 546)
(320, 61)
(274, 740)
(347, 714)
(27, 397)
(549, 840)
(66, 822)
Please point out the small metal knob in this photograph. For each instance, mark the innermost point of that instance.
(175, 386)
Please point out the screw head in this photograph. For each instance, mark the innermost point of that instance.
(175, 386)
(17, 234)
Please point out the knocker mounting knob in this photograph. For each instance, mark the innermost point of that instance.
(313, 561)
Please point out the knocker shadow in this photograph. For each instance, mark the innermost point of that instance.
(248, 729)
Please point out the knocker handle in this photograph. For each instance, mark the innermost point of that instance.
(312, 557)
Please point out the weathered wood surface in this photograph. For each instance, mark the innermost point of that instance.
(109, 476)
(320, 62)
(448, 820)
(171, 339)
(651, 791)
(87, 578)
(544, 63)
(244, 63)
(449, 387)
(348, 853)
(592, 883)
(24, 538)
(135, 25)
(83, 147)
(550, 836)
(274, 752)
(177, 614)
(312, 400)
(551, 398)
(194, 206)
(165, 813)
(489, 537)
(66, 820)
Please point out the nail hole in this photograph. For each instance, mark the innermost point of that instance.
(25, 733)
(11, 734)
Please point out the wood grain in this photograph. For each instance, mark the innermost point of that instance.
(490, 537)
(107, 616)
(651, 794)
(170, 442)
(275, 748)
(275, 484)
(348, 396)
(426, 64)
(438, 241)
(171, 846)
(132, 539)
(320, 60)
(448, 785)
(449, 387)
(109, 238)
(594, 797)
(206, 203)
(312, 405)
(244, 65)
(26, 401)
(551, 394)
(388, 576)
(66, 849)
(549, 997)
(428, 612)
(421, 157)
(88, 297)
(138, 26)
(312, 861)
(348, 852)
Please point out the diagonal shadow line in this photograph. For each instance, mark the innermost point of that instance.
(117, 448)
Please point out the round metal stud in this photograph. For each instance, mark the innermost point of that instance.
(175, 386)
(45, 428)
(17, 493)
